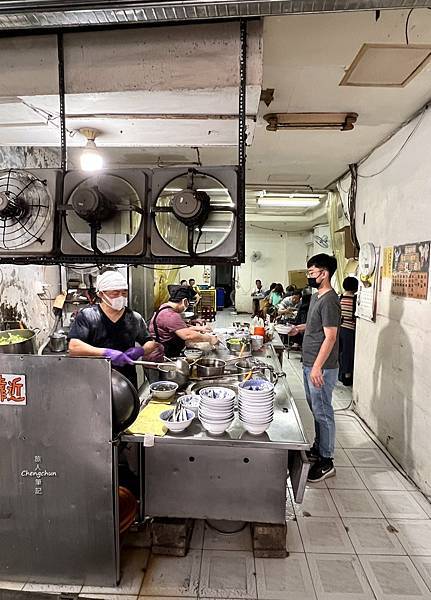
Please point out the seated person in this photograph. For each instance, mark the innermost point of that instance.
(275, 298)
(168, 327)
(301, 316)
(289, 305)
(194, 292)
(257, 295)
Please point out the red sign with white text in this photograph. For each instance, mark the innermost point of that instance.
(12, 390)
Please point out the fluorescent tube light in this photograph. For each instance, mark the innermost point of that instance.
(288, 202)
(264, 194)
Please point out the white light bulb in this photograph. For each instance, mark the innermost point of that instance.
(91, 159)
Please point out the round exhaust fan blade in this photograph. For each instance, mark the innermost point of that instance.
(194, 217)
(109, 203)
(26, 209)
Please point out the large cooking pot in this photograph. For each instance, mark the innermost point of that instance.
(210, 367)
(27, 346)
(125, 402)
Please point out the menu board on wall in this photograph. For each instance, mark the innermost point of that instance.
(410, 274)
(366, 303)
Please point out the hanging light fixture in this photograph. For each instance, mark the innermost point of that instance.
(91, 159)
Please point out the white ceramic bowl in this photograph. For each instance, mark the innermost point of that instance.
(256, 386)
(219, 419)
(216, 428)
(163, 389)
(256, 429)
(176, 427)
(217, 394)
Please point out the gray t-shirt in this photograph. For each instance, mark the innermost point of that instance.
(323, 312)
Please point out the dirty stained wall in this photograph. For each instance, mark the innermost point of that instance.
(18, 284)
(392, 384)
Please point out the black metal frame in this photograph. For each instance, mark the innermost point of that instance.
(56, 257)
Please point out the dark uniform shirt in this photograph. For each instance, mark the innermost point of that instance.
(93, 327)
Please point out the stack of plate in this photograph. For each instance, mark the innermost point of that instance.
(256, 405)
(216, 409)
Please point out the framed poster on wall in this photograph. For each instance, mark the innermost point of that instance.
(410, 273)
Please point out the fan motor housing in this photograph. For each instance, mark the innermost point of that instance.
(191, 207)
(92, 205)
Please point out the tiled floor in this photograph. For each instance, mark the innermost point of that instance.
(364, 534)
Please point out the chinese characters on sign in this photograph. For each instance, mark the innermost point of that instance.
(388, 255)
(411, 270)
(12, 389)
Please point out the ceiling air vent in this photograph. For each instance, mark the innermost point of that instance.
(386, 65)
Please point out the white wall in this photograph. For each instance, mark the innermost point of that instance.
(281, 252)
(392, 387)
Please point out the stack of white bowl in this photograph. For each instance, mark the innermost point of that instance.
(216, 409)
(256, 405)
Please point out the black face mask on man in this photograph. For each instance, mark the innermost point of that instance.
(313, 283)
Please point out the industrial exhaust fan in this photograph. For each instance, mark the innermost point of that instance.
(127, 216)
(194, 213)
(104, 214)
(27, 208)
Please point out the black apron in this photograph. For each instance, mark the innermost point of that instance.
(174, 346)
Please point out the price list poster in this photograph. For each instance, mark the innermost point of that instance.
(410, 273)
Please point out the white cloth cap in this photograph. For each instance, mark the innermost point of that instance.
(111, 280)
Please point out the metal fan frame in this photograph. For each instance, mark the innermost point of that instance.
(227, 177)
(70, 249)
(29, 253)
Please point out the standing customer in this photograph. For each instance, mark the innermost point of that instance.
(348, 330)
(320, 361)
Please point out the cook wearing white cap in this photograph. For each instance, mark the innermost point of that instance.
(110, 329)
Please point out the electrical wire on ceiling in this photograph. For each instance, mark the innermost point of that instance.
(268, 229)
(407, 22)
(397, 154)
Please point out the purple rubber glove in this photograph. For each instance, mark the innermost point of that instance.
(118, 358)
(135, 353)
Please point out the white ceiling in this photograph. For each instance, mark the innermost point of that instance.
(305, 57)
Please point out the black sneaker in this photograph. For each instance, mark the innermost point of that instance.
(312, 454)
(321, 470)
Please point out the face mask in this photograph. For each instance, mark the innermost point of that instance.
(116, 303)
(313, 283)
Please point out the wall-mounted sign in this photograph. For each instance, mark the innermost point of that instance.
(12, 390)
(410, 274)
(388, 257)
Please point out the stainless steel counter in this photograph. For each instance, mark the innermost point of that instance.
(285, 432)
(235, 476)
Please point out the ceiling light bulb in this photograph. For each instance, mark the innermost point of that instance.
(91, 159)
